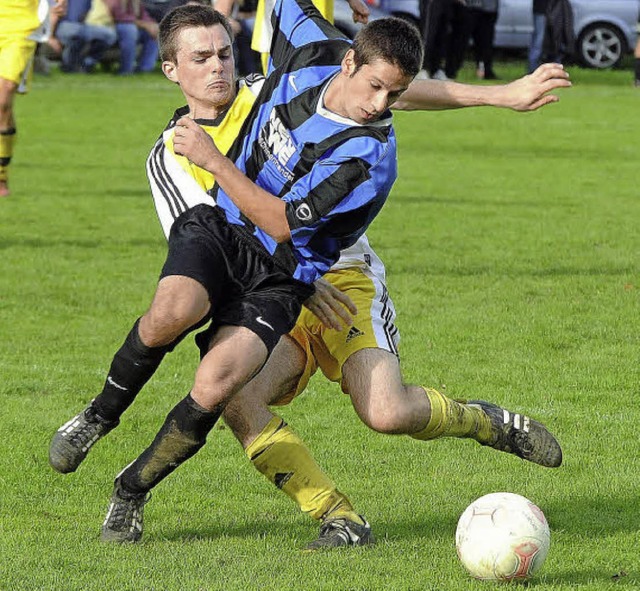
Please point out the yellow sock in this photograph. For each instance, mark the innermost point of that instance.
(7, 140)
(450, 418)
(283, 458)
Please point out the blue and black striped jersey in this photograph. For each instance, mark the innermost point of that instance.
(333, 173)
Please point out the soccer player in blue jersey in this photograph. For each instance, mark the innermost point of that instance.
(314, 166)
(168, 180)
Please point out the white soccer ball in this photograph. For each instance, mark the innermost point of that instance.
(502, 536)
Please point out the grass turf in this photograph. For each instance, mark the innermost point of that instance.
(511, 251)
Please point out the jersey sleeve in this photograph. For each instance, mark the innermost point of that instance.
(297, 23)
(334, 204)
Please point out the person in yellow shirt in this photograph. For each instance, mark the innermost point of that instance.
(23, 23)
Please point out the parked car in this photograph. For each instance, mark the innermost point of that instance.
(605, 30)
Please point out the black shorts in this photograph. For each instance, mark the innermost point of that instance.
(245, 286)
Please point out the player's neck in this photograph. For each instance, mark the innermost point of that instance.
(333, 97)
(208, 112)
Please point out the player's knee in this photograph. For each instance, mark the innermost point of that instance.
(159, 329)
(219, 380)
(384, 413)
(387, 422)
(162, 324)
(213, 390)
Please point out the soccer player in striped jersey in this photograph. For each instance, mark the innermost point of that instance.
(272, 446)
(171, 177)
(23, 23)
(248, 263)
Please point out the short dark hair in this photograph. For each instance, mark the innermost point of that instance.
(394, 40)
(187, 16)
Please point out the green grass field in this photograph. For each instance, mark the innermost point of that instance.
(512, 251)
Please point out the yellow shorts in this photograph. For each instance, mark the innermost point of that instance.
(16, 60)
(373, 327)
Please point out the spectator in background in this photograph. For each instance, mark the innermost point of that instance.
(241, 15)
(137, 33)
(435, 17)
(559, 43)
(243, 20)
(483, 15)
(476, 20)
(457, 38)
(537, 37)
(81, 41)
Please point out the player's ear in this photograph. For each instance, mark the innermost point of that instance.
(348, 64)
(170, 71)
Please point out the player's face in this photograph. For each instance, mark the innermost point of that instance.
(372, 89)
(204, 69)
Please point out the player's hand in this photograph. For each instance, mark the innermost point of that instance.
(360, 11)
(194, 143)
(531, 92)
(332, 307)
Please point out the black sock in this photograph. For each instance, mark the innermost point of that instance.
(131, 368)
(184, 432)
(637, 68)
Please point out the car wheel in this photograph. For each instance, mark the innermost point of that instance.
(601, 46)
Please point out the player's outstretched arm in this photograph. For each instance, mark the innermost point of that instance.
(524, 94)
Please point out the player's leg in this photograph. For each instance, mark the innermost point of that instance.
(180, 303)
(372, 378)
(16, 57)
(7, 132)
(281, 456)
(247, 326)
(221, 374)
(365, 362)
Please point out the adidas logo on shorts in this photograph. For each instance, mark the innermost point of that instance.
(353, 333)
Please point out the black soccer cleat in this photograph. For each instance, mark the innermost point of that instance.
(520, 435)
(124, 520)
(72, 442)
(340, 532)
